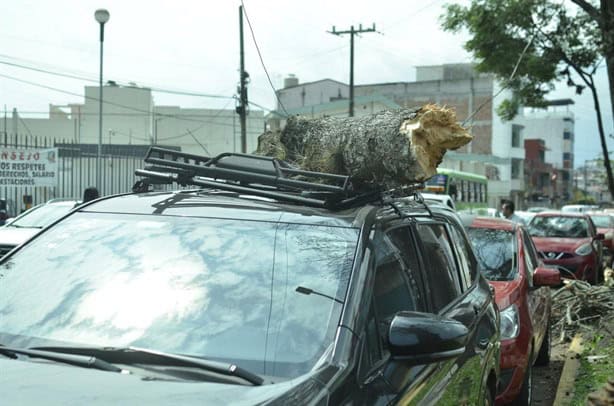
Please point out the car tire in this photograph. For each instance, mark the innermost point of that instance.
(526, 392)
(543, 357)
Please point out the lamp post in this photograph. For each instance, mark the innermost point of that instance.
(102, 16)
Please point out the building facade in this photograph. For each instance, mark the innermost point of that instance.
(555, 126)
(130, 117)
(497, 150)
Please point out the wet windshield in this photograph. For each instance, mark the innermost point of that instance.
(561, 227)
(495, 252)
(222, 289)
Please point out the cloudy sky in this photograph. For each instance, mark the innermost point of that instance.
(193, 46)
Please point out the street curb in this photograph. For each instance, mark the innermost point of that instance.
(565, 389)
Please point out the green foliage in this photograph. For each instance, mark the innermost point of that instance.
(548, 35)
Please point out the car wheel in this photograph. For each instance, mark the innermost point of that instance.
(543, 358)
(526, 392)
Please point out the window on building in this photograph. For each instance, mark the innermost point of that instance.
(516, 135)
(566, 156)
(516, 168)
(542, 156)
(567, 135)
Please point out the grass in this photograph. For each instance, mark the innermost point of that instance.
(593, 375)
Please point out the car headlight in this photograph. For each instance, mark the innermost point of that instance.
(584, 249)
(510, 323)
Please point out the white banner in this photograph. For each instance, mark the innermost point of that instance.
(21, 167)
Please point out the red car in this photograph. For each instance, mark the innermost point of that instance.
(605, 225)
(570, 241)
(509, 260)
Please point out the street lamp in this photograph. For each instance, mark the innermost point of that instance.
(102, 16)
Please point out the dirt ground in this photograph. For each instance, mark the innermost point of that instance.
(546, 379)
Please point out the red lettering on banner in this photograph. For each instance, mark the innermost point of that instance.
(36, 156)
(13, 156)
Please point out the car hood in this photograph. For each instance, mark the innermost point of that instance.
(559, 244)
(31, 383)
(15, 236)
(506, 292)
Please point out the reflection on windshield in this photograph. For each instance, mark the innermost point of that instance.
(561, 227)
(223, 289)
(495, 252)
(42, 215)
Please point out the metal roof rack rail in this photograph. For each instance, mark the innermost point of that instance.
(251, 174)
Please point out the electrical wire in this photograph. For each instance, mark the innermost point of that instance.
(178, 117)
(152, 88)
(262, 60)
(505, 86)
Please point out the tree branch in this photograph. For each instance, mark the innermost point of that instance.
(590, 10)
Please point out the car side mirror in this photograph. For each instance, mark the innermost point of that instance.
(424, 338)
(546, 277)
(600, 236)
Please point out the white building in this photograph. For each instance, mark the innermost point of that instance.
(130, 116)
(554, 125)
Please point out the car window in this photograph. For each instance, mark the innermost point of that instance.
(440, 269)
(42, 215)
(559, 226)
(217, 288)
(393, 291)
(496, 253)
(467, 261)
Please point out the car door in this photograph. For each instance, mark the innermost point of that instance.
(397, 286)
(451, 296)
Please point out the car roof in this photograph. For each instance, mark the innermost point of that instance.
(227, 205)
(492, 222)
(561, 214)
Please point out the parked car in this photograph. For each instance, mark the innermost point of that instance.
(578, 208)
(443, 199)
(569, 241)
(509, 260)
(527, 216)
(604, 223)
(30, 222)
(248, 294)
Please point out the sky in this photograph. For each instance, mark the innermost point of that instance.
(193, 46)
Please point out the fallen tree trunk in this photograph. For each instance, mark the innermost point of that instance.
(389, 149)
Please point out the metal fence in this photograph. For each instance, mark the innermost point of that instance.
(76, 169)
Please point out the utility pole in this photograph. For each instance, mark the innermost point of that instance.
(352, 32)
(242, 107)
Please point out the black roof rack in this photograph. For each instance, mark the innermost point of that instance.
(252, 174)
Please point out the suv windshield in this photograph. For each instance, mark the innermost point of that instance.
(561, 227)
(495, 252)
(43, 215)
(216, 288)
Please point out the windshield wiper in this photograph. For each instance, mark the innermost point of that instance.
(135, 355)
(84, 361)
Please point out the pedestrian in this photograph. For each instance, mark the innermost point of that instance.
(90, 193)
(3, 217)
(507, 207)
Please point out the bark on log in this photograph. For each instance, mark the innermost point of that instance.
(391, 148)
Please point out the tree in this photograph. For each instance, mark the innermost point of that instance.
(531, 44)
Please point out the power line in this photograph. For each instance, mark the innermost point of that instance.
(261, 60)
(152, 88)
(178, 117)
(505, 86)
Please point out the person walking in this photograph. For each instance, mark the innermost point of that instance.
(507, 208)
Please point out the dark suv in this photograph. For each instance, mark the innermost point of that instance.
(256, 292)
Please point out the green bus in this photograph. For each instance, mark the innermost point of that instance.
(468, 190)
